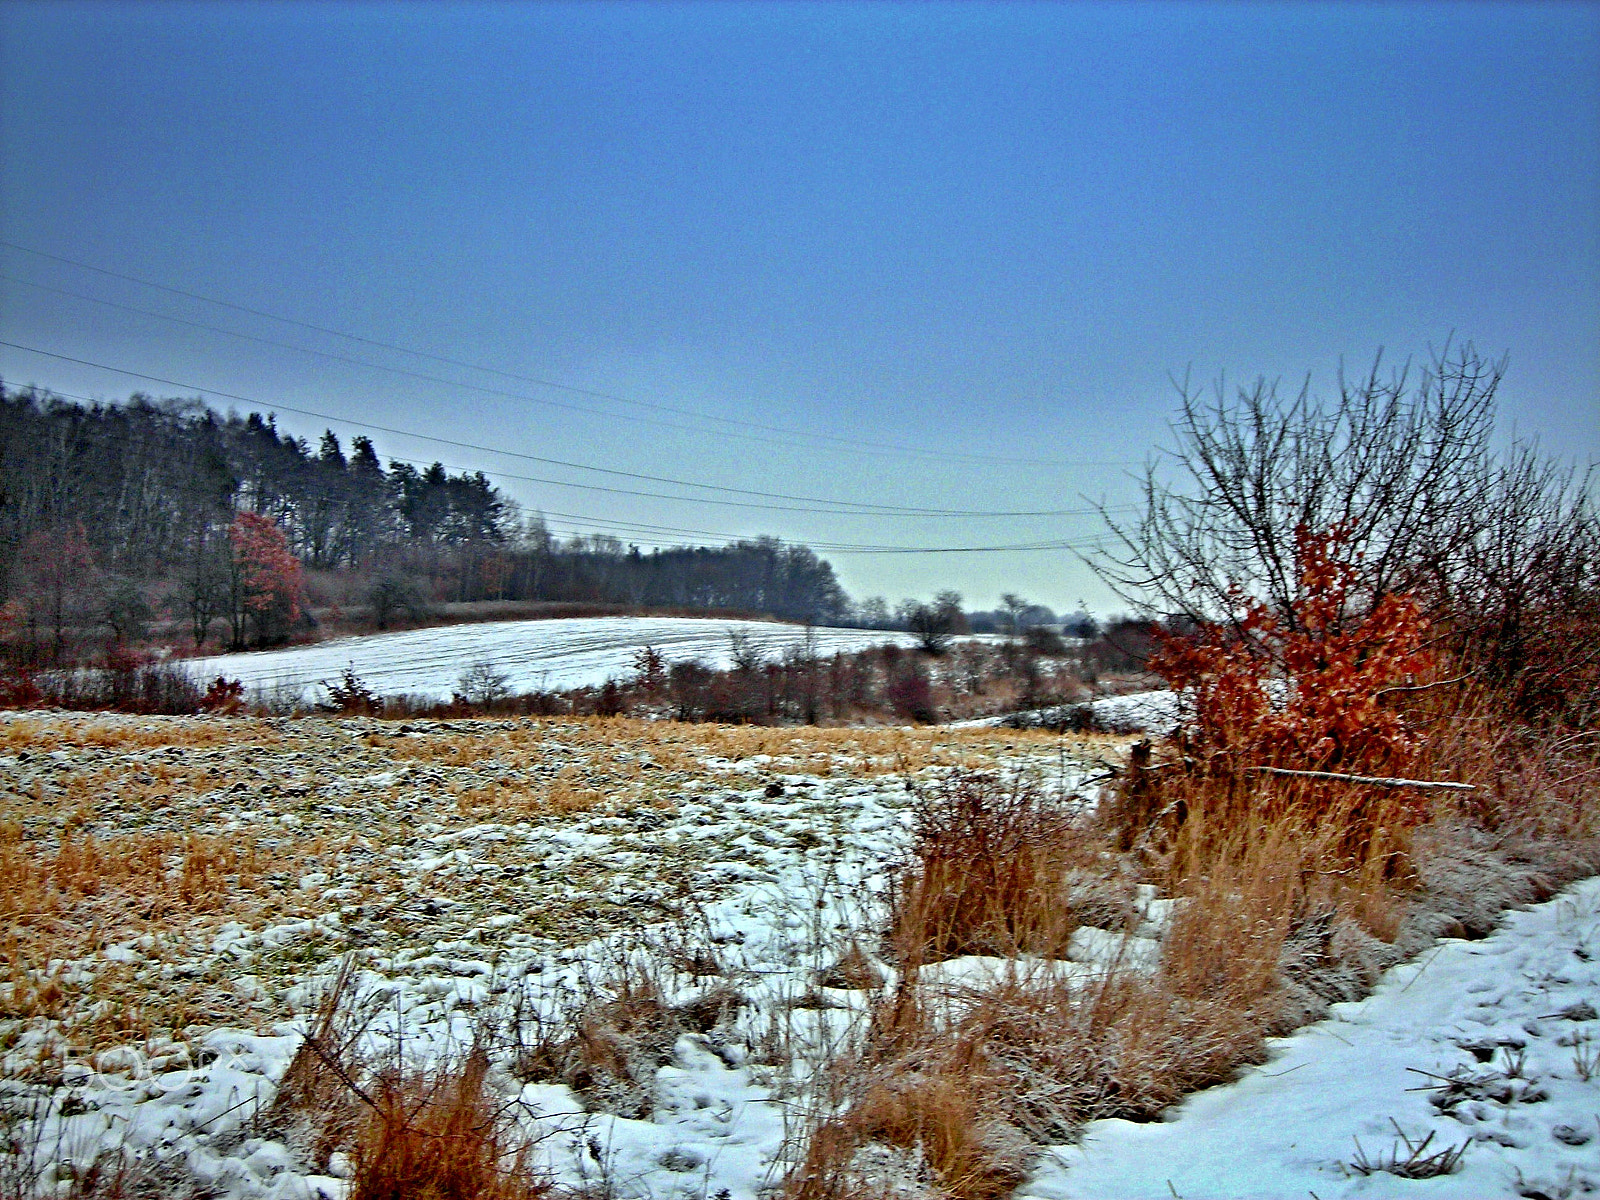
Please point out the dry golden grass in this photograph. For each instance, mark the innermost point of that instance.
(672, 745)
(150, 833)
(411, 1133)
(992, 873)
(315, 1107)
(946, 1113)
(134, 733)
(971, 1088)
(62, 904)
(1541, 784)
(1253, 861)
(863, 751)
(501, 800)
(970, 1082)
(82, 794)
(628, 761)
(98, 880)
(437, 1135)
(620, 1029)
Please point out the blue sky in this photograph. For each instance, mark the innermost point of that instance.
(987, 234)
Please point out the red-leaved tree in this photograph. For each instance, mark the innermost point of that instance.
(54, 579)
(265, 581)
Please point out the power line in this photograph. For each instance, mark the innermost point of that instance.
(608, 524)
(650, 533)
(588, 487)
(472, 387)
(882, 447)
(536, 479)
(840, 506)
(640, 493)
(829, 547)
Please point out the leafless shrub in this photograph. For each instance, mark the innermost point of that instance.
(483, 685)
(1503, 549)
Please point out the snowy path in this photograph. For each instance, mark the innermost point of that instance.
(1525, 995)
(560, 653)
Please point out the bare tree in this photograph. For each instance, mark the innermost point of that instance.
(1502, 547)
(1015, 606)
(1396, 459)
(938, 623)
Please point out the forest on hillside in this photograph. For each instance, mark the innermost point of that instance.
(115, 515)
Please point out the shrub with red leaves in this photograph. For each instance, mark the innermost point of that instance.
(224, 696)
(1304, 688)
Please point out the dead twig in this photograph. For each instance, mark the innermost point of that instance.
(1419, 687)
(1417, 1162)
(1372, 780)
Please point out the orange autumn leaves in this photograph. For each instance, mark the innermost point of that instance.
(1307, 687)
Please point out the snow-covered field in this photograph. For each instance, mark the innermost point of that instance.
(566, 652)
(1484, 1043)
(482, 866)
(471, 863)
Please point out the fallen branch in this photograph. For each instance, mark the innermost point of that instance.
(1373, 780)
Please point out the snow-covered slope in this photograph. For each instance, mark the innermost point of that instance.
(561, 653)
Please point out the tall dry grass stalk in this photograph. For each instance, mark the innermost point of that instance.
(991, 869)
(1264, 869)
(438, 1135)
(316, 1106)
(411, 1132)
(965, 1086)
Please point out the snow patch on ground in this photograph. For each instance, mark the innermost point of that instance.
(565, 652)
(1476, 1042)
(1155, 712)
(1483, 1043)
(783, 881)
(1502, 1027)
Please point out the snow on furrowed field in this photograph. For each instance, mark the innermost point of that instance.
(474, 869)
(564, 652)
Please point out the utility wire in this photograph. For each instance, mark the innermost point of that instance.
(651, 534)
(626, 492)
(585, 524)
(471, 387)
(884, 447)
(828, 547)
(663, 495)
(839, 506)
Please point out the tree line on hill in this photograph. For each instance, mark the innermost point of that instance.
(112, 514)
